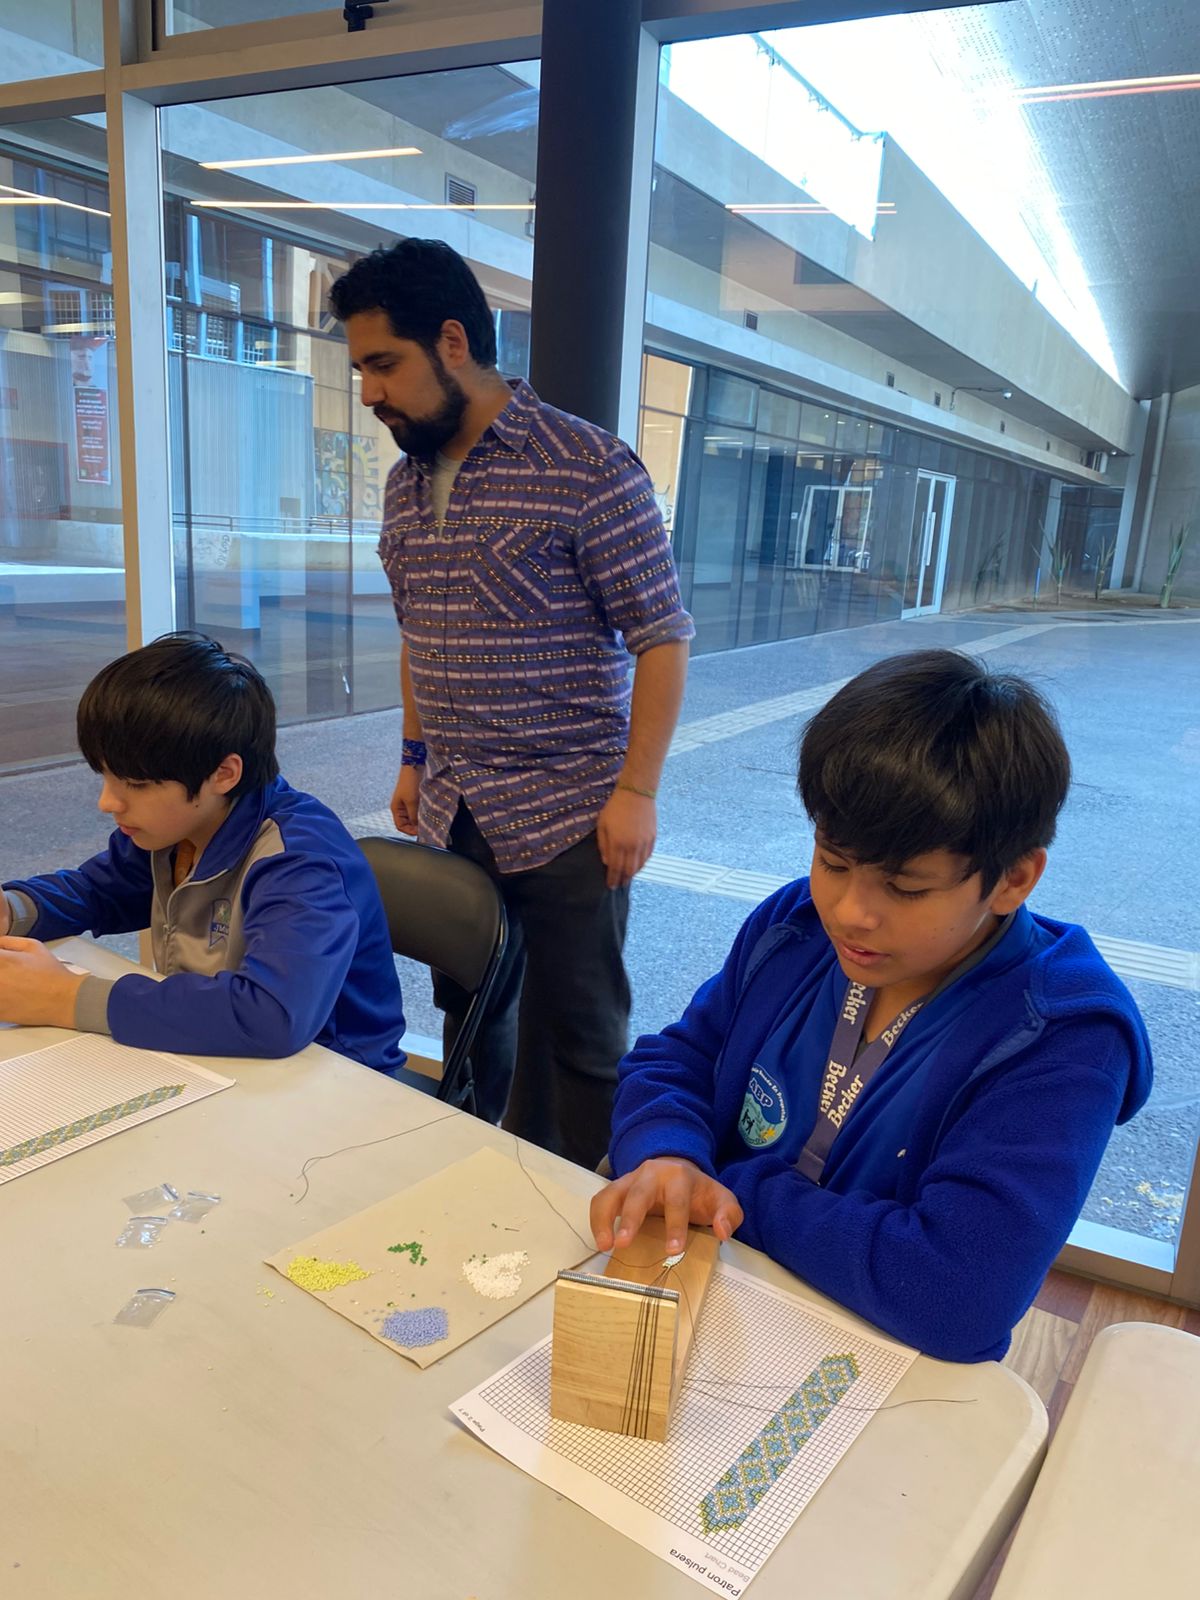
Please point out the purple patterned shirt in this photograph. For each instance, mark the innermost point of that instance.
(520, 615)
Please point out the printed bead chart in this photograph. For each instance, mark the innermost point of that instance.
(58, 1099)
(774, 1394)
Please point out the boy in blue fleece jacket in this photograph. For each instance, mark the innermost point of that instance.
(264, 914)
(901, 1083)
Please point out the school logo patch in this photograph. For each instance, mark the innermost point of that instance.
(764, 1110)
(218, 926)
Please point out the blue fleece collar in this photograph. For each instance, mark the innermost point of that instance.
(233, 838)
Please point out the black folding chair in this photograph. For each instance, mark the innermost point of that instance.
(446, 912)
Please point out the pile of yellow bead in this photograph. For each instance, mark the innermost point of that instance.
(318, 1276)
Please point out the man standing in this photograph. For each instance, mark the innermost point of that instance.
(527, 561)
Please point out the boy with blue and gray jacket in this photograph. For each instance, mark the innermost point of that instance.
(264, 915)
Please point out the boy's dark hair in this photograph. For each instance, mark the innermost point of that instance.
(420, 284)
(931, 751)
(173, 710)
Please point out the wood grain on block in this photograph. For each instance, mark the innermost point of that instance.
(621, 1340)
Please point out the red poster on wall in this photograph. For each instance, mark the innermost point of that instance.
(89, 390)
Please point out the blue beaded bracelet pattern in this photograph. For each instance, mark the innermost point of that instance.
(412, 753)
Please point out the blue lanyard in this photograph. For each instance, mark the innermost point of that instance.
(848, 1072)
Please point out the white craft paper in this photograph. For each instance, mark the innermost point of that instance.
(478, 1208)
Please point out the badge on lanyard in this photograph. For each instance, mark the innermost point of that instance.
(848, 1072)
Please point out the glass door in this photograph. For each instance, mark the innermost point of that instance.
(929, 544)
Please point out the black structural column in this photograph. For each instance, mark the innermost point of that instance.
(584, 176)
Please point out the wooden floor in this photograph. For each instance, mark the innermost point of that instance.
(1052, 1339)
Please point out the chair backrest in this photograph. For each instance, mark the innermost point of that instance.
(446, 913)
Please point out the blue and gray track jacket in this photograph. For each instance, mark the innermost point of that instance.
(276, 939)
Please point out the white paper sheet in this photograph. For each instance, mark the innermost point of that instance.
(56, 1100)
(756, 1348)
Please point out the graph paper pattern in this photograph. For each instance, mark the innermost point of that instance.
(59, 1099)
(753, 1349)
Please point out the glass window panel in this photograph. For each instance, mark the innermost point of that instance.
(731, 399)
(193, 16)
(62, 563)
(661, 449)
(667, 385)
(885, 511)
(851, 434)
(764, 575)
(51, 37)
(778, 414)
(817, 424)
(278, 470)
(719, 531)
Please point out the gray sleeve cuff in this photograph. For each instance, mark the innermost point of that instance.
(91, 1005)
(22, 913)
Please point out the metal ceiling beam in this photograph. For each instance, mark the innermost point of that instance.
(254, 62)
(72, 94)
(674, 21)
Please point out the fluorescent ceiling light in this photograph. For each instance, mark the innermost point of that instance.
(361, 205)
(27, 197)
(297, 161)
(10, 297)
(1107, 88)
(73, 327)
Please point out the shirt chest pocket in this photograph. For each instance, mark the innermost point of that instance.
(516, 567)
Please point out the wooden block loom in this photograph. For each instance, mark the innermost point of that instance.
(621, 1341)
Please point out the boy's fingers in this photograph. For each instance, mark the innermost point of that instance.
(678, 1193)
(605, 1208)
(637, 1202)
(727, 1218)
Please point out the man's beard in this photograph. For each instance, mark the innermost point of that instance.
(423, 437)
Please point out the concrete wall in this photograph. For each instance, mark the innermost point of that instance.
(1177, 500)
(932, 267)
(50, 37)
(926, 264)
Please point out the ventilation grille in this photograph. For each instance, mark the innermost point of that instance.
(460, 193)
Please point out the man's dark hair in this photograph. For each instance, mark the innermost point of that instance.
(173, 710)
(931, 751)
(420, 284)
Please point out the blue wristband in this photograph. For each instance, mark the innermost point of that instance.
(412, 753)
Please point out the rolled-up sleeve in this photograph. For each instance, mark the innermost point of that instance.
(624, 557)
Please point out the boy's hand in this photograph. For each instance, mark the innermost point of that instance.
(672, 1188)
(36, 990)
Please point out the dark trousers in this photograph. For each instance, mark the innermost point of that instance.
(545, 1057)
